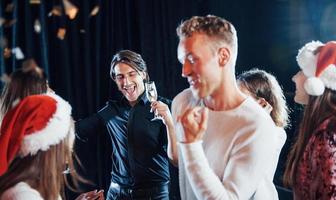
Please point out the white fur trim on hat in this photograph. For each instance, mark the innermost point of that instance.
(314, 86)
(307, 59)
(328, 77)
(58, 127)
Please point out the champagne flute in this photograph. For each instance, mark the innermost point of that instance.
(151, 95)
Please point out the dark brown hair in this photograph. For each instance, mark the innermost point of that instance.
(318, 109)
(261, 84)
(130, 58)
(23, 82)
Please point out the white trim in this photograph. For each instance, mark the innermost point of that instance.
(307, 59)
(56, 129)
(314, 86)
(328, 77)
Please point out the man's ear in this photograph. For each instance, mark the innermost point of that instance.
(224, 56)
(143, 75)
(113, 79)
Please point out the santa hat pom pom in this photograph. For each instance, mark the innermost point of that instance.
(314, 86)
(307, 58)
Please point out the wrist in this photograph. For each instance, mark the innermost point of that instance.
(189, 141)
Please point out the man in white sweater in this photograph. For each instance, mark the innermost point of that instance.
(226, 142)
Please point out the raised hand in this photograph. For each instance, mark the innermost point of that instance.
(194, 122)
(92, 195)
(162, 110)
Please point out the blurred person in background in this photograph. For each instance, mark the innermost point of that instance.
(265, 89)
(36, 149)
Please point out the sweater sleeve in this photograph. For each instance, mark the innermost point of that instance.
(246, 167)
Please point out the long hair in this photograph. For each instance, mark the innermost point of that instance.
(44, 171)
(261, 84)
(23, 82)
(316, 111)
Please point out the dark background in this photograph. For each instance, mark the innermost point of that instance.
(269, 34)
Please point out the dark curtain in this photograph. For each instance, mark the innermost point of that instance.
(270, 32)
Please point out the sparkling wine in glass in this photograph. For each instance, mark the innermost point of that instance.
(151, 94)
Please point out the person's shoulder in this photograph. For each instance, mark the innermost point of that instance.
(184, 96)
(96, 117)
(328, 125)
(281, 131)
(21, 191)
(251, 110)
(111, 108)
(324, 137)
(332, 124)
(113, 103)
(281, 135)
(256, 120)
(186, 92)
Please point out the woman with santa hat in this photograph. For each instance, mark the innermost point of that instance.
(311, 166)
(36, 149)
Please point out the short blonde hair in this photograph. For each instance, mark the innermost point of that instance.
(221, 30)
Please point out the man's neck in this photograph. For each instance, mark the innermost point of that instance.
(227, 97)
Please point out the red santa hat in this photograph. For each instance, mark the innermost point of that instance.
(318, 63)
(34, 124)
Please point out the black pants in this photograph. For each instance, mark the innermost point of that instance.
(159, 192)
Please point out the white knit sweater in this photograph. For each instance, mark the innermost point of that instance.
(237, 157)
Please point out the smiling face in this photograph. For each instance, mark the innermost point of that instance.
(200, 64)
(301, 95)
(129, 81)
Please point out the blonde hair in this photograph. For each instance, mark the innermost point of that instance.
(217, 28)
